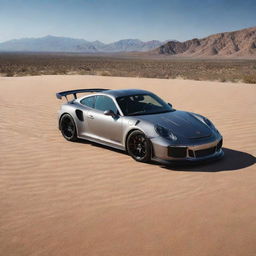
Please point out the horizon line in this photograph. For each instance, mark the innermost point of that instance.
(104, 42)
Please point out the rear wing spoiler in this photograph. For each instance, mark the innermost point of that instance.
(59, 95)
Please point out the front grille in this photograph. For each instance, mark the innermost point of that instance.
(205, 152)
(178, 152)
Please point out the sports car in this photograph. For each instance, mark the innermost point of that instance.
(140, 123)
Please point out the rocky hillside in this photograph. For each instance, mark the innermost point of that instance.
(241, 43)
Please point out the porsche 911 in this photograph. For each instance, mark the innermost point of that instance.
(140, 123)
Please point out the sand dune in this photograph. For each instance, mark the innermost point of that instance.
(63, 198)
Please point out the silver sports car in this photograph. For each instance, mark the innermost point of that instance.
(140, 123)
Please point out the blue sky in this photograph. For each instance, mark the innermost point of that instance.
(111, 20)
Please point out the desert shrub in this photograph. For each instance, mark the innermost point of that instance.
(250, 79)
(223, 80)
(105, 73)
(85, 68)
(10, 74)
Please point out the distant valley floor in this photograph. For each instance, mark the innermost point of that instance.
(24, 64)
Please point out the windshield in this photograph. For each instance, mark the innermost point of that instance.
(142, 104)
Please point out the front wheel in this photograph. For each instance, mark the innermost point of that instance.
(139, 147)
(68, 127)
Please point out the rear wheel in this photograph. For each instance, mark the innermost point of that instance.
(138, 146)
(68, 127)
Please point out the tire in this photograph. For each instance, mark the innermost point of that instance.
(139, 147)
(68, 127)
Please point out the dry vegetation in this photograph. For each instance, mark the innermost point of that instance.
(24, 64)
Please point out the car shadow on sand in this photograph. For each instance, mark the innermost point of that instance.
(233, 160)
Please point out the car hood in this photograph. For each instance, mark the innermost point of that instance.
(180, 123)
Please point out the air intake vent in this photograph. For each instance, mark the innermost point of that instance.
(178, 152)
(80, 115)
(205, 152)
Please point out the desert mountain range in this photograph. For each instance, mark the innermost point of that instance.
(241, 43)
(65, 44)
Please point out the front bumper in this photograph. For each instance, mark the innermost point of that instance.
(197, 151)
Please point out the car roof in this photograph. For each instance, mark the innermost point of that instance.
(125, 92)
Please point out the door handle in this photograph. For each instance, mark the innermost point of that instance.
(91, 116)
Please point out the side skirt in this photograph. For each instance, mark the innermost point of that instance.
(105, 143)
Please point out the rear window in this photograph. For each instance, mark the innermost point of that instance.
(89, 101)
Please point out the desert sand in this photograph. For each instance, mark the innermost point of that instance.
(64, 198)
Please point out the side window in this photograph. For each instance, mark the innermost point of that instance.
(103, 103)
(89, 101)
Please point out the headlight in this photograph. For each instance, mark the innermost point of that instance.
(204, 120)
(164, 132)
(208, 122)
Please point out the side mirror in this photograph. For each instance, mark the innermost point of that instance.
(170, 105)
(109, 113)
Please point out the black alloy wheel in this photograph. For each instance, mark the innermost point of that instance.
(138, 146)
(68, 128)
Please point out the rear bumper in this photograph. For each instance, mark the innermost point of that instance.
(165, 153)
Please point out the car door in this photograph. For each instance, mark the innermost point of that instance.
(105, 127)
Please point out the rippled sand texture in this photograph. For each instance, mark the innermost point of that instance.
(63, 198)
